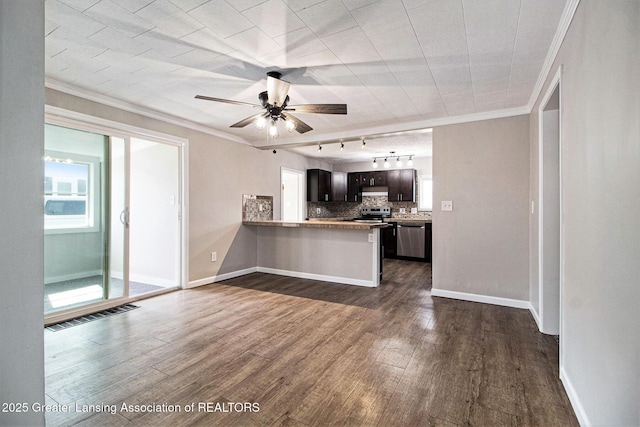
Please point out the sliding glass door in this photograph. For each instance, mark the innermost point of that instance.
(112, 217)
(76, 217)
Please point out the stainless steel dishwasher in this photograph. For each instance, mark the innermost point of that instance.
(411, 239)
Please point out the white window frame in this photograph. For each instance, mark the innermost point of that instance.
(93, 194)
(425, 205)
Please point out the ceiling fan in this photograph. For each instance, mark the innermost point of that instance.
(275, 101)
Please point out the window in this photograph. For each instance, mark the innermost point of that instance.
(68, 199)
(425, 195)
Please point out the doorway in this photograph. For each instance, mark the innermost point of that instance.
(550, 211)
(292, 195)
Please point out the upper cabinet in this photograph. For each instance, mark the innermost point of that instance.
(325, 186)
(402, 185)
(339, 187)
(318, 185)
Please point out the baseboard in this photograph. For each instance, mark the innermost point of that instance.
(536, 317)
(320, 277)
(507, 302)
(574, 399)
(165, 283)
(74, 276)
(220, 277)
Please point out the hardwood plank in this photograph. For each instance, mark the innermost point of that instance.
(311, 353)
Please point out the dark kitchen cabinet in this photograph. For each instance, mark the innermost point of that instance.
(378, 179)
(401, 185)
(339, 187)
(354, 188)
(389, 240)
(318, 185)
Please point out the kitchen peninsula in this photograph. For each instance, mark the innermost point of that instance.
(333, 251)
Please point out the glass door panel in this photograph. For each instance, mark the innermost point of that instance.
(74, 218)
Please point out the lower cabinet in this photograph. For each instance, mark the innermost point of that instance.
(389, 240)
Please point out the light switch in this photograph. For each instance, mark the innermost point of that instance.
(403, 210)
(414, 210)
(447, 206)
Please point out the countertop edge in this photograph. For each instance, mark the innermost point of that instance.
(345, 225)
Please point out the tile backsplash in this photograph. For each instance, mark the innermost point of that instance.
(352, 210)
(257, 208)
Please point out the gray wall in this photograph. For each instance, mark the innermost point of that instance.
(600, 331)
(481, 247)
(220, 172)
(22, 226)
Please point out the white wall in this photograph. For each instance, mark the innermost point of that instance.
(481, 247)
(600, 331)
(22, 225)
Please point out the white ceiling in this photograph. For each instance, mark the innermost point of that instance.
(397, 64)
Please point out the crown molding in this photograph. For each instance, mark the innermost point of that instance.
(565, 21)
(137, 109)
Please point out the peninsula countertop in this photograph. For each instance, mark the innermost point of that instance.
(346, 225)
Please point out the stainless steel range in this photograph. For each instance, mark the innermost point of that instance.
(373, 215)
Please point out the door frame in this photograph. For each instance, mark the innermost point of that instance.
(545, 327)
(72, 119)
(301, 191)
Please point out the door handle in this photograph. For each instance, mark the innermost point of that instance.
(124, 217)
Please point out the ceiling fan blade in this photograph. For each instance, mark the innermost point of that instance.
(319, 108)
(242, 123)
(301, 127)
(277, 90)
(227, 101)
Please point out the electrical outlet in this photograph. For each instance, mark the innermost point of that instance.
(214, 256)
(318, 210)
(414, 210)
(371, 238)
(403, 210)
(447, 205)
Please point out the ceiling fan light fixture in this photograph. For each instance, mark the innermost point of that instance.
(261, 122)
(273, 129)
(290, 125)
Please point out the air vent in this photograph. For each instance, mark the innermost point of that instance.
(88, 318)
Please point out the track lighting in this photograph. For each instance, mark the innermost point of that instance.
(391, 155)
(274, 151)
(341, 146)
(363, 143)
(319, 148)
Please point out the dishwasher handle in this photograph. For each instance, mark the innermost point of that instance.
(411, 226)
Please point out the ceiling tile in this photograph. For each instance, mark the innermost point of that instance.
(187, 5)
(114, 40)
(299, 43)
(381, 17)
(352, 47)
(169, 18)
(113, 15)
(221, 18)
(67, 17)
(162, 43)
(274, 18)
(81, 5)
(132, 5)
(297, 5)
(327, 18)
(253, 42)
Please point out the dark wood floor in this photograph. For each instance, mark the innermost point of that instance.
(309, 353)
